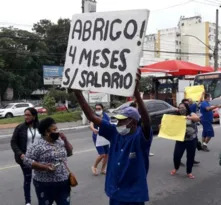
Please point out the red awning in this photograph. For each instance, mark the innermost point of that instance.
(176, 68)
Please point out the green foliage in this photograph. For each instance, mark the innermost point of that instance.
(145, 84)
(58, 95)
(23, 54)
(58, 117)
(49, 104)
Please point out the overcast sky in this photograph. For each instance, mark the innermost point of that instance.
(164, 13)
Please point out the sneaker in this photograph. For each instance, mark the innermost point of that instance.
(196, 162)
(151, 154)
(28, 204)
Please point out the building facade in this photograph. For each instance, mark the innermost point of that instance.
(185, 42)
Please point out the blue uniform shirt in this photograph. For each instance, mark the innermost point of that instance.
(193, 107)
(128, 164)
(105, 117)
(206, 115)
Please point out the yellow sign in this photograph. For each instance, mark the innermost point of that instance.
(173, 127)
(194, 92)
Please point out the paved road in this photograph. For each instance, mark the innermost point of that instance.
(164, 189)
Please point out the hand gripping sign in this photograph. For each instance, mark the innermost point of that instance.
(104, 50)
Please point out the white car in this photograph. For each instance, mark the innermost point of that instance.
(14, 109)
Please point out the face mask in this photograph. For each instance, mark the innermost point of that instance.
(123, 130)
(54, 135)
(182, 111)
(99, 112)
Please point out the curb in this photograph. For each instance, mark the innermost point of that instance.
(74, 128)
(62, 129)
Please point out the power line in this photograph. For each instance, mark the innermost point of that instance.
(176, 5)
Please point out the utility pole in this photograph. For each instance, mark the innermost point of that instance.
(216, 54)
(82, 6)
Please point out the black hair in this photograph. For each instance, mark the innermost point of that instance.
(188, 111)
(45, 124)
(133, 104)
(99, 104)
(184, 100)
(207, 95)
(34, 113)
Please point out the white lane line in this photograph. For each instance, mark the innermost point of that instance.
(62, 129)
(80, 152)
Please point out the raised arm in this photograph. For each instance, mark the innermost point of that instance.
(87, 109)
(145, 118)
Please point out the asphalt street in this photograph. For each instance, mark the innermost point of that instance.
(164, 189)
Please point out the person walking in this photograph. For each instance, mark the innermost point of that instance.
(101, 150)
(25, 134)
(206, 120)
(130, 143)
(189, 143)
(48, 158)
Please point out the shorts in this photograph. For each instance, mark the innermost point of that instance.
(101, 149)
(115, 202)
(207, 129)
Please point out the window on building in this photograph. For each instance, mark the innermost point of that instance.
(180, 42)
(182, 24)
(176, 42)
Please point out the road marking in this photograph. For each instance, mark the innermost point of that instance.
(62, 129)
(8, 167)
(83, 151)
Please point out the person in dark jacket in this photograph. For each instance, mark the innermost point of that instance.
(25, 134)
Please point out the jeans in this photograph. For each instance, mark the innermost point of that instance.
(27, 172)
(49, 192)
(115, 202)
(180, 147)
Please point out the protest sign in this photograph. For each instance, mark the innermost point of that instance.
(173, 127)
(194, 92)
(104, 50)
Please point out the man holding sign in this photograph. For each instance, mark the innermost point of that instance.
(129, 152)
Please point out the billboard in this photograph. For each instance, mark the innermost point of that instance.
(94, 97)
(52, 75)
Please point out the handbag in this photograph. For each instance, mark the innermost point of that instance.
(72, 179)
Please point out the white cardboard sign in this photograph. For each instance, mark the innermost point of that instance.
(104, 50)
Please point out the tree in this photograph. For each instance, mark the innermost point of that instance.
(146, 84)
(49, 104)
(22, 55)
(55, 36)
(58, 95)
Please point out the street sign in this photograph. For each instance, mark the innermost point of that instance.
(52, 75)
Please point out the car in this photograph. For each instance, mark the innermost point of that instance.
(156, 108)
(216, 101)
(14, 109)
(42, 110)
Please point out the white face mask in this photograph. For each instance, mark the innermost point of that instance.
(123, 130)
(99, 112)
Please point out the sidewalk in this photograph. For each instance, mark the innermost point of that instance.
(9, 128)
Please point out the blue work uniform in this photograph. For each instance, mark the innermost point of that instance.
(128, 165)
(206, 120)
(193, 108)
(101, 149)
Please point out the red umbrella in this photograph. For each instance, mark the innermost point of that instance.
(176, 68)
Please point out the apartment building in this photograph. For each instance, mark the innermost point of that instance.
(185, 42)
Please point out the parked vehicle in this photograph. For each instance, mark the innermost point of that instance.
(59, 108)
(156, 108)
(14, 109)
(216, 101)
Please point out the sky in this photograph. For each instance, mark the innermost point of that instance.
(163, 13)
